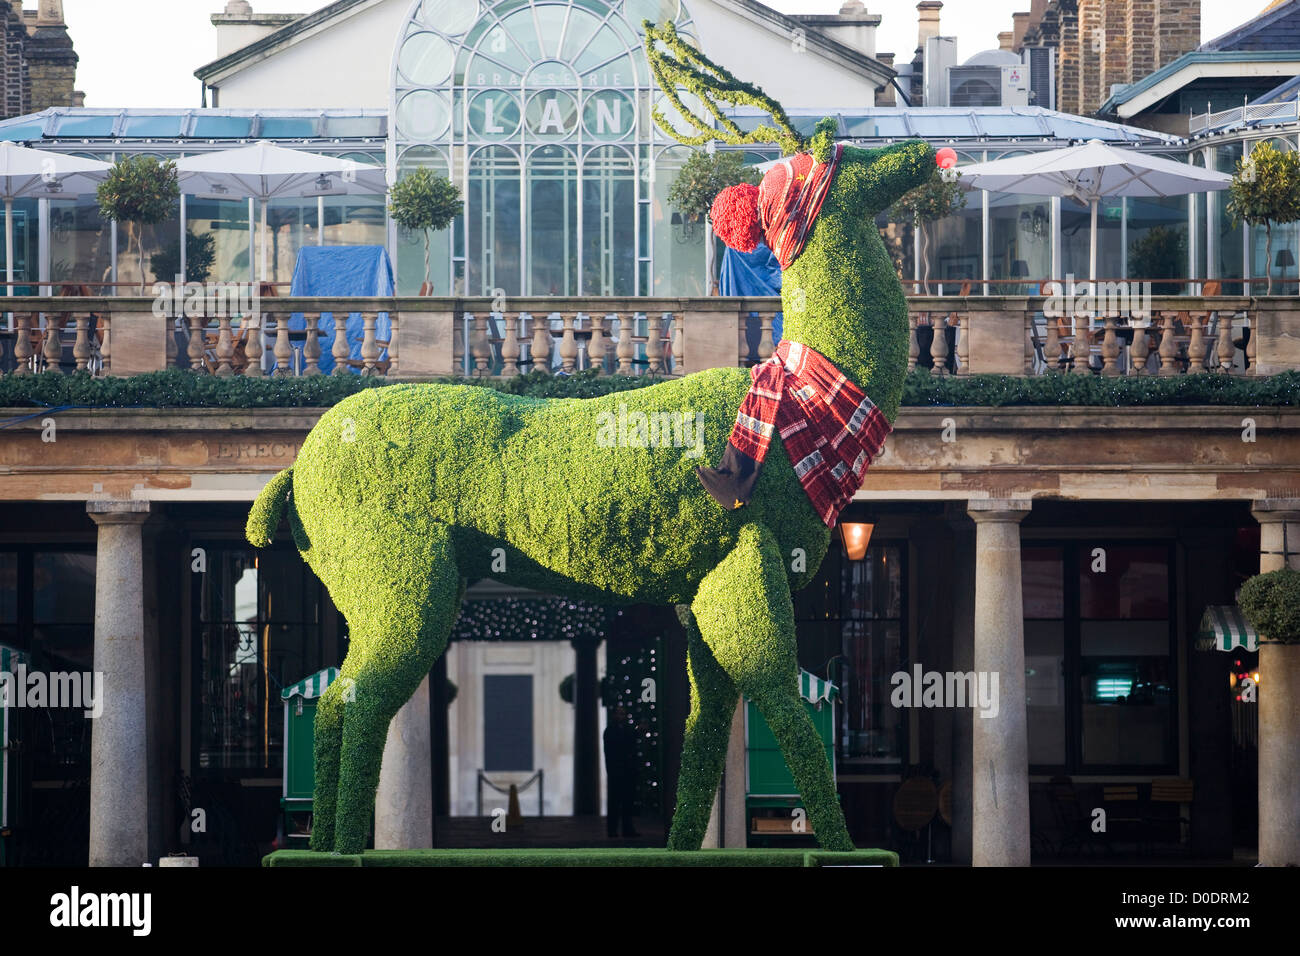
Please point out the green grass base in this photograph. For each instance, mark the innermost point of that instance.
(580, 857)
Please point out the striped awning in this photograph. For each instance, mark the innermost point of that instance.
(1224, 627)
(815, 690)
(309, 688)
(10, 658)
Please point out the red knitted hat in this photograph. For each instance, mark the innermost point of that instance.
(781, 210)
(735, 217)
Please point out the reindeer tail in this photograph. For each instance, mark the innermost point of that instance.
(264, 517)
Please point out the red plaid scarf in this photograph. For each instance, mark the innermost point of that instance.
(830, 429)
(789, 199)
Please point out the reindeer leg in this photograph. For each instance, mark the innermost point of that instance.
(404, 603)
(745, 616)
(704, 753)
(328, 740)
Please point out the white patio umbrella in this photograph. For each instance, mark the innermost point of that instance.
(1090, 171)
(40, 174)
(265, 171)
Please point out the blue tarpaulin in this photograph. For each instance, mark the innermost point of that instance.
(752, 273)
(343, 270)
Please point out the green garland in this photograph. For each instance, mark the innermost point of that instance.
(533, 619)
(176, 388)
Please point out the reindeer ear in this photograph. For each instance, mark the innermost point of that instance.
(822, 142)
(675, 63)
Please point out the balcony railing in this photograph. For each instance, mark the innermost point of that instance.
(1243, 115)
(413, 338)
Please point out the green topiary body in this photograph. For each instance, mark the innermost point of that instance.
(400, 495)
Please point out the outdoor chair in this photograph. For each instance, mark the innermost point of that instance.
(916, 802)
(239, 341)
(1073, 825)
(1174, 793)
(1122, 815)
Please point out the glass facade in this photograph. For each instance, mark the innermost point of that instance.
(540, 111)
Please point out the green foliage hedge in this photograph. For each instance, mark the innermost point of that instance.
(584, 857)
(1094, 390)
(176, 388)
(1272, 604)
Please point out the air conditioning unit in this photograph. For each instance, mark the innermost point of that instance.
(1015, 86)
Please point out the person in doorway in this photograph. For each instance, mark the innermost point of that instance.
(620, 773)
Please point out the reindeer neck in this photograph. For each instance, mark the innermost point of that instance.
(841, 297)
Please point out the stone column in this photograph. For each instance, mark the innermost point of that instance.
(119, 775)
(1279, 698)
(404, 802)
(1000, 748)
(729, 823)
(735, 821)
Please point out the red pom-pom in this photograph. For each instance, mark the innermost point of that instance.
(946, 158)
(735, 217)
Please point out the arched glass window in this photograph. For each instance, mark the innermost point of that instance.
(540, 111)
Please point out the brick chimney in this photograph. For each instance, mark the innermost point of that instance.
(1020, 23)
(886, 97)
(238, 26)
(51, 60)
(927, 20)
(1005, 39)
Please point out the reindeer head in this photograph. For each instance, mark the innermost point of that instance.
(868, 180)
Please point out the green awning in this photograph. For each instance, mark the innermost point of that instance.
(309, 688)
(10, 657)
(1224, 628)
(815, 690)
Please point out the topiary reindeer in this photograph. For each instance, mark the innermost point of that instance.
(403, 494)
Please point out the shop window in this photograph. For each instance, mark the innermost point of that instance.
(1043, 586)
(1099, 658)
(47, 611)
(258, 629)
(850, 627)
(63, 640)
(1125, 661)
(8, 590)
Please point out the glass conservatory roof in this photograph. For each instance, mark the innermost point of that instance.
(956, 124)
(61, 123)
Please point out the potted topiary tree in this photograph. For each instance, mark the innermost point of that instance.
(139, 191)
(1271, 602)
(425, 202)
(1265, 191)
(698, 183)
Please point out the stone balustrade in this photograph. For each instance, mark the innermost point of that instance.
(414, 338)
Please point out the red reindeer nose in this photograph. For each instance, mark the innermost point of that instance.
(946, 158)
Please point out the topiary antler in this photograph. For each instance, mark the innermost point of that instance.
(681, 65)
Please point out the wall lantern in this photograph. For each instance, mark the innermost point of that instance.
(856, 536)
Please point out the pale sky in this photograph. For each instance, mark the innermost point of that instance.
(122, 67)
